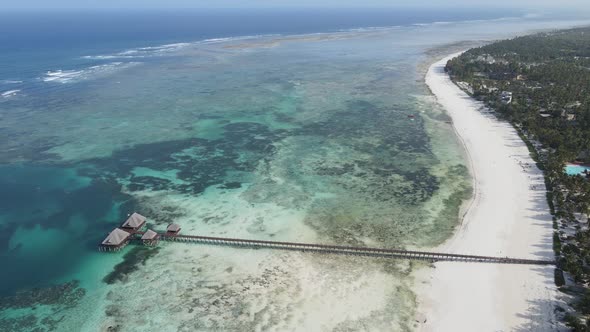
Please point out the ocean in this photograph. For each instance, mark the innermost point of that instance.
(307, 126)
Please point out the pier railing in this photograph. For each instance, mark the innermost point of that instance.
(364, 251)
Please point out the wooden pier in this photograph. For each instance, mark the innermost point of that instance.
(363, 251)
(119, 238)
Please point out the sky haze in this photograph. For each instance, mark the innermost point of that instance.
(179, 4)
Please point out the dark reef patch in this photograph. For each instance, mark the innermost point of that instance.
(390, 145)
(200, 163)
(20, 323)
(131, 262)
(424, 185)
(60, 297)
(6, 232)
(36, 150)
(335, 170)
(231, 185)
(160, 214)
(363, 119)
(144, 182)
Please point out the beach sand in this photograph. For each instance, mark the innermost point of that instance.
(507, 216)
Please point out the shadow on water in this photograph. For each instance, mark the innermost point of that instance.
(131, 262)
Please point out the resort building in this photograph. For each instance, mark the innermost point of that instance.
(116, 240)
(466, 86)
(173, 229)
(150, 238)
(131, 229)
(506, 97)
(134, 222)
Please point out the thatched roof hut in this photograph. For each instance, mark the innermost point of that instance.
(150, 238)
(149, 235)
(135, 221)
(173, 228)
(116, 238)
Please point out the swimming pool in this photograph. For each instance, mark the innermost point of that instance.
(572, 169)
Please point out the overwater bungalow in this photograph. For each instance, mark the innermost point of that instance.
(173, 229)
(134, 222)
(150, 238)
(116, 240)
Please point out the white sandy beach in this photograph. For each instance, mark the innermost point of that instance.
(508, 216)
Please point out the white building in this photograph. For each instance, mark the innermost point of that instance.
(506, 97)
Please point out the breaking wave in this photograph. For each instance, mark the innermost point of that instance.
(167, 49)
(10, 82)
(9, 93)
(140, 52)
(71, 76)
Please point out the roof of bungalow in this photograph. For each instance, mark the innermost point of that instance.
(135, 220)
(116, 237)
(173, 228)
(149, 235)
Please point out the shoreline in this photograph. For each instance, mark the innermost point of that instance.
(507, 215)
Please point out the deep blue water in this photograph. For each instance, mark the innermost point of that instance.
(31, 43)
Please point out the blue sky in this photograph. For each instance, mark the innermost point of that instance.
(171, 4)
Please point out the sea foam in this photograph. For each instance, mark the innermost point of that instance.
(10, 82)
(167, 49)
(141, 52)
(9, 93)
(71, 76)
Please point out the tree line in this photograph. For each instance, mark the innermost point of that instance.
(548, 75)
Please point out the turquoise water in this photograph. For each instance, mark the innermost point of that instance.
(572, 169)
(294, 138)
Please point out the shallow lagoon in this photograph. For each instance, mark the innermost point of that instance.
(302, 138)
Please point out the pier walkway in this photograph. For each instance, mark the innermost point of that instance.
(131, 230)
(333, 249)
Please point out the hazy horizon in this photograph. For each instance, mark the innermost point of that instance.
(37, 5)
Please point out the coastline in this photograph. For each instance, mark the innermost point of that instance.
(507, 216)
(275, 91)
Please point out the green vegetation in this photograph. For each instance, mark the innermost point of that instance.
(541, 84)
